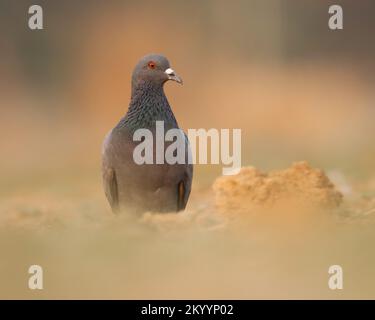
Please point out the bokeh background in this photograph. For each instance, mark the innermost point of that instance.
(298, 91)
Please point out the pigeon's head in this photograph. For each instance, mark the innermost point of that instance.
(154, 69)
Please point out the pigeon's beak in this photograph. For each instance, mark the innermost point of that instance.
(173, 76)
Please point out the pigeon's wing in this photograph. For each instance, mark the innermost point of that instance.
(111, 188)
(110, 183)
(184, 187)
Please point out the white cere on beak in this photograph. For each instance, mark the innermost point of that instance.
(169, 71)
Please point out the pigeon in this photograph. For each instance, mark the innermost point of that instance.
(153, 187)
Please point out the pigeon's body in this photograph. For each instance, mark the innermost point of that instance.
(146, 187)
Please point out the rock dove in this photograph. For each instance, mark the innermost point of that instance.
(146, 187)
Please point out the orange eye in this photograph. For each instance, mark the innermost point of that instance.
(152, 65)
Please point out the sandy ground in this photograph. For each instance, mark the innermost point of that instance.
(210, 251)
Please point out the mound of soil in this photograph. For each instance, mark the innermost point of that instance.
(299, 185)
